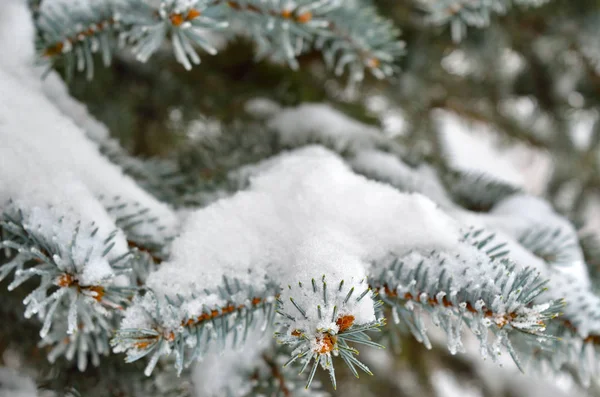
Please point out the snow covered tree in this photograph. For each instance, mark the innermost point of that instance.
(401, 188)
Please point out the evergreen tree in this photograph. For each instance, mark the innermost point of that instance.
(272, 197)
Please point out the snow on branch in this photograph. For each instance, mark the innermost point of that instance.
(160, 325)
(321, 123)
(389, 168)
(70, 219)
(350, 35)
(524, 230)
(323, 321)
(306, 214)
(76, 264)
(477, 191)
(51, 148)
(470, 288)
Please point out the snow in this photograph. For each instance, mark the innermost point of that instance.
(388, 167)
(47, 158)
(229, 372)
(262, 107)
(13, 384)
(16, 37)
(518, 214)
(305, 216)
(474, 147)
(446, 384)
(57, 92)
(293, 213)
(301, 124)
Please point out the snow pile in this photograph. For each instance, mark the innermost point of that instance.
(306, 216)
(306, 222)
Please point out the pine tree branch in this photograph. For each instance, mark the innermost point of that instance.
(162, 337)
(349, 37)
(76, 314)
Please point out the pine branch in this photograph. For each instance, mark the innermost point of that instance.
(476, 192)
(143, 228)
(172, 324)
(446, 288)
(75, 33)
(572, 338)
(353, 38)
(554, 245)
(320, 332)
(76, 314)
(460, 14)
